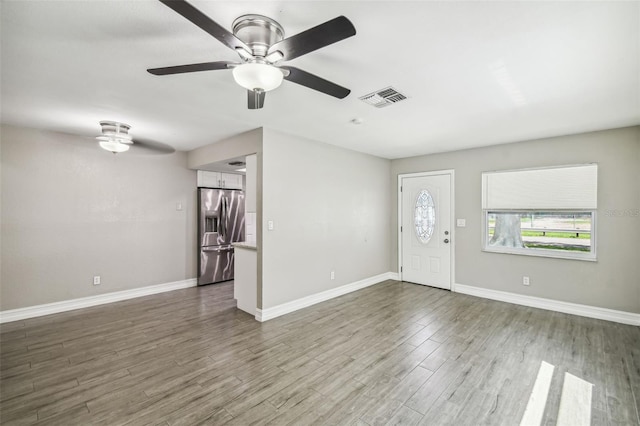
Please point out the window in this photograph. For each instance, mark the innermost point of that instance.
(424, 218)
(541, 212)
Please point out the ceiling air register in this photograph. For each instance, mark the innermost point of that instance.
(383, 97)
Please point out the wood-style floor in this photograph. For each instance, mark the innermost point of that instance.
(393, 353)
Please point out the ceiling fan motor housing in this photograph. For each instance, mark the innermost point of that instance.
(115, 136)
(258, 32)
(115, 128)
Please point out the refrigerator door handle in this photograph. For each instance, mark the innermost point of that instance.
(223, 217)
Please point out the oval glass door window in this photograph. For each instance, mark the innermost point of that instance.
(425, 216)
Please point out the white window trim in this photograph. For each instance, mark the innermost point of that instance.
(557, 254)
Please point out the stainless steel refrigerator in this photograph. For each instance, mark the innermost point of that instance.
(220, 223)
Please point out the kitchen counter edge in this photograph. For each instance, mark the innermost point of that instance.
(245, 245)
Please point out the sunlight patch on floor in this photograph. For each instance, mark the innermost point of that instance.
(575, 400)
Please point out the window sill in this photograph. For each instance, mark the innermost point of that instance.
(589, 257)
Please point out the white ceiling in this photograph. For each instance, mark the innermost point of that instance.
(477, 73)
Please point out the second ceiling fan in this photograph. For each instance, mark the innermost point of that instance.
(260, 43)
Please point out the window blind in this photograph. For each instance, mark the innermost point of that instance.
(567, 187)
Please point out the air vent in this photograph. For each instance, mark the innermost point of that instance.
(383, 97)
(237, 163)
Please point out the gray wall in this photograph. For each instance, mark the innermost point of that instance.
(71, 210)
(330, 208)
(611, 282)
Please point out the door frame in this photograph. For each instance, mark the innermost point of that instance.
(451, 173)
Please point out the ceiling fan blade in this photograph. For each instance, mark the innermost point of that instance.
(315, 38)
(179, 69)
(296, 75)
(209, 25)
(148, 147)
(256, 98)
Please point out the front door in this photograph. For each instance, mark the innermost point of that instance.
(426, 230)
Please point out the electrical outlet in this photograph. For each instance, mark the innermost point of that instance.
(96, 280)
(333, 275)
(525, 280)
(270, 225)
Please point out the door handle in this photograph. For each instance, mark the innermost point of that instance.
(446, 240)
(223, 217)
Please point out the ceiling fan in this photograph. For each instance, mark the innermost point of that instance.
(115, 137)
(260, 43)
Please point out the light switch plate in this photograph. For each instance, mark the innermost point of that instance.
(461, 223)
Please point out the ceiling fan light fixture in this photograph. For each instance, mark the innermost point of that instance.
(114, 146)
(256, 76)
(115, 136)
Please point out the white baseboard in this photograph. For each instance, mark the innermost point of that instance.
(394, 276)
(551, 305)
(288, 307)
(85, 302)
